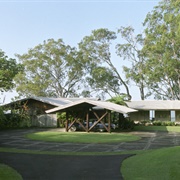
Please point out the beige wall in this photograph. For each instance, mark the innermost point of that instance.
(139, 116)
(177, 115)
(159, 115)
(45, 120)
(163, 115)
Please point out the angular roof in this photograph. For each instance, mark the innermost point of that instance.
(53, 101)
(154, 105)
(92, 103)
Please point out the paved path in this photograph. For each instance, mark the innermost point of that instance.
(149, 140)
(56, 167)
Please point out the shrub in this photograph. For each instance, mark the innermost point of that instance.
(14, 120)
(168, 123)
(163, 123)
(126, 124)
(157, 123)
(2, 119)
(145, 123)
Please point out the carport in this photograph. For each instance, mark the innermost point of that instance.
(81, 109)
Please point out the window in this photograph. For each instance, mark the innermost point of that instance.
(152, 115)
(173, 116)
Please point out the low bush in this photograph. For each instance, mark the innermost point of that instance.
(14, 120)
(157, 123)
(145, 123)
(168, 123)
(126, 124)
(163, 123)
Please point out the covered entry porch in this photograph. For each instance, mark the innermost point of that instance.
(82, 111)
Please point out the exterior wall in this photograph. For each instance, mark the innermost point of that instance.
(159, 115)
(39, 118)
(177, 115)
(163, 115)
(139, 116)
(44, 120)
(36, 107)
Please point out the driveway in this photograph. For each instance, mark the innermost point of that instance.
(52, 167)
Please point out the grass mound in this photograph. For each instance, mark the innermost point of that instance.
(8, 173)
(79, 137)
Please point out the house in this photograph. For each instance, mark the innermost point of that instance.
(37, 106)
(163, 110)
(43, 110)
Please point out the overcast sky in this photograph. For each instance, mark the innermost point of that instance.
(27, 23)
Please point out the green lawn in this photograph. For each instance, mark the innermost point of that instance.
(145, 165)
(82, 137)
(158, 128)
(161, 164)
(7, 173)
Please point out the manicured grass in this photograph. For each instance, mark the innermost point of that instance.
(8, 173)
(158, 128)
(79, 137)
(156, 164)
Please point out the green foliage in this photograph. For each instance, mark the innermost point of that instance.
(102, 75)
(157, 123)
(120, 99)
(168, 123)
(8, 69)
(144, 123)
(126, 124)
(51, 69)
(14, 120)
(162, 41)
(61, 118)
(163, 123)
(131, 51)
(2, 118)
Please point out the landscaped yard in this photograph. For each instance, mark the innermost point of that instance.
(8, 173)
(146, 164)
(82, 137)
(158, 128)
(161, 164)
(154, 164)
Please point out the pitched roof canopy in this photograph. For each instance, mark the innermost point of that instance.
(53, 101)
(155, 105)
(92, 103)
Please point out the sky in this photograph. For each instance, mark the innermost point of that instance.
(27, 23)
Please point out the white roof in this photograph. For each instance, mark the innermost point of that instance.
(102, 104)
(53, 101)
(154, 105)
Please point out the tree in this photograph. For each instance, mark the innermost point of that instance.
(103, 75)
(131, 51)
(162, 42)
(8, 69)
(118, 100)
(51, 69)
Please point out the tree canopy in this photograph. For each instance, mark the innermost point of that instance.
(51, 69)
(162, 42)
(8, 69)
(96, 52)
(56, 69)
(131, 50)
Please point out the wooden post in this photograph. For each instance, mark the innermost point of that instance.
(109, 121)
(87, 121)
(67, 121)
